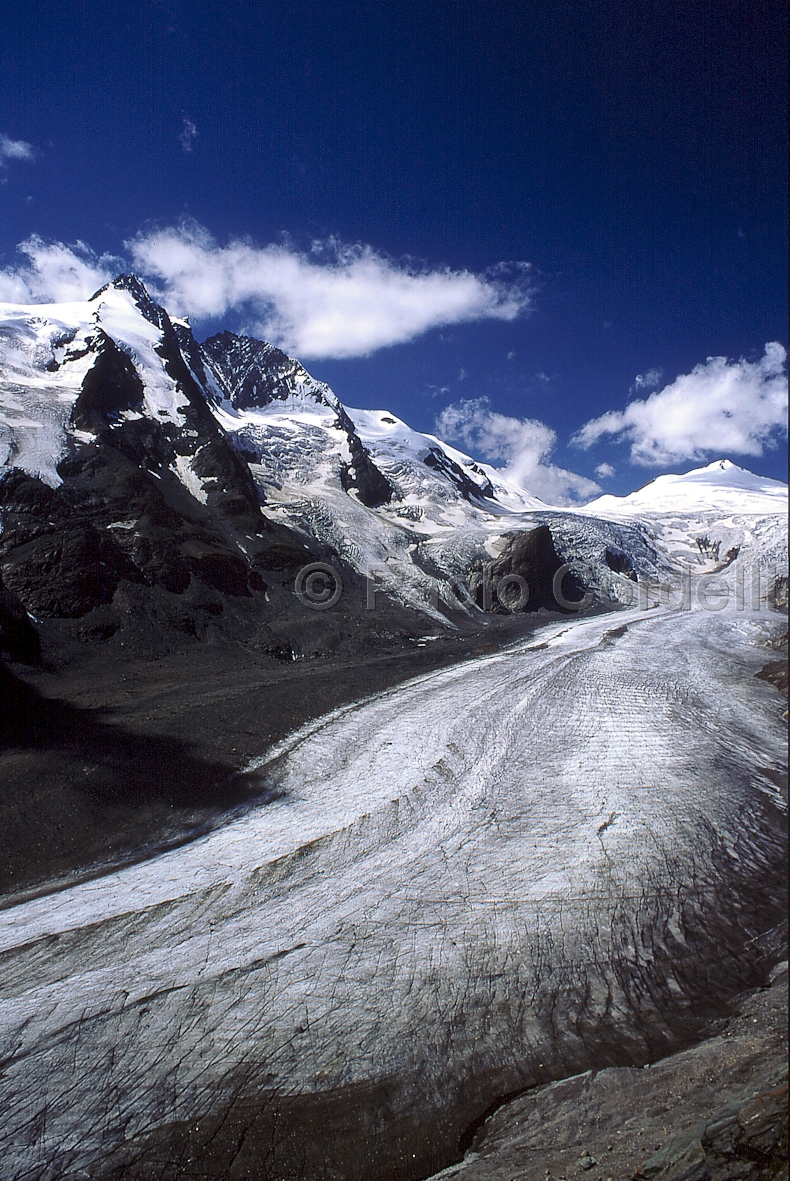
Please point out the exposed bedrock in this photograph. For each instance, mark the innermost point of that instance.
(775, 672)
(19, 638)
(66, 551)
(255, 374)
(361, 473)
(440, 461)
(523, 576)
(565, 856)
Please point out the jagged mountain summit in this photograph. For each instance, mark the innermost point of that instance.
(134, 459)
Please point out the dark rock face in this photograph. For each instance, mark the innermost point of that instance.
(442, 463)
(18, 637)
(775, 672)
(67, 573)
(620, 563)
(110, 386)
(522, 577)
(714, 1112)
(779, 593)
(253, 372)
(66, 551)
(361, 474)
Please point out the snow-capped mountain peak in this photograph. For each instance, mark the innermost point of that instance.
(173, 446)
(720, 486)
(141, 297)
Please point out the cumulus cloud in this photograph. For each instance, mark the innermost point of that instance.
(523, 445)
(604, 470)
(334, 301)
(722, 407)
(188, 134)
(54, 272)
(15, 149)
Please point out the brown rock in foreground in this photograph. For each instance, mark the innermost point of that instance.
(714, 1112)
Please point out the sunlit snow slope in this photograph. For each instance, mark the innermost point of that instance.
(721, 486)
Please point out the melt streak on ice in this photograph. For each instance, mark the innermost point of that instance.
(509, 868)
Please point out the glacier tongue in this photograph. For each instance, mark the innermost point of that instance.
(555, 858)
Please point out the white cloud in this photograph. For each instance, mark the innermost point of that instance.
(524, 444)
(604, 470)
(188, 134)
(336, 301)
(720, 408)
(643, 382)
(15, 149)
(54, 272)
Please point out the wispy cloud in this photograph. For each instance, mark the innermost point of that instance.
(722, 407)
(188, 134)
(604, 471)
(334, 301)
(15, 149)
(644, 382)
(523, 445)
(54, 272)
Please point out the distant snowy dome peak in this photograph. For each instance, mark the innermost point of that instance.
(732, 472)
(721, 485)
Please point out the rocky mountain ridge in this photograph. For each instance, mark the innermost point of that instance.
(141, 471)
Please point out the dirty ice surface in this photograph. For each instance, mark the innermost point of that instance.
(496, 873)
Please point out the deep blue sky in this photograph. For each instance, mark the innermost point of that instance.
(634, 153)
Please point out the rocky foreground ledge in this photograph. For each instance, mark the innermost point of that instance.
(715, 1112)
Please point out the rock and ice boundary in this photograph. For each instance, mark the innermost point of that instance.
(566, 855)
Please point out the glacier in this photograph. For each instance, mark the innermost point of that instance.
(552, 858)
(563, 855)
